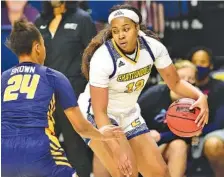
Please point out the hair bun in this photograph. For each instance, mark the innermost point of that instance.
(20, 25)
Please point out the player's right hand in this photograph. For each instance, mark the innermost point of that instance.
(111, 132)
(122, 159)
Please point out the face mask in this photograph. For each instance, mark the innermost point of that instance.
(203, 72)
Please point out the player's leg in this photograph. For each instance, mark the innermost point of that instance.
(163, 148)
(103, 152)
(214, 151)
(54, 162)
(99, 169)
(9, 156)
(149, 159)
(176, 165)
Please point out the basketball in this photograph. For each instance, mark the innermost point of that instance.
(180, 119)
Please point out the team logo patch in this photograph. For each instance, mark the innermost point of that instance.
(70, 26)
(121, 64)
(118, 13)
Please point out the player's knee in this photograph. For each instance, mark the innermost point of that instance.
(213, 148)
(178, 147)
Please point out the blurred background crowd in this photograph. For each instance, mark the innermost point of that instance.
(192, 31)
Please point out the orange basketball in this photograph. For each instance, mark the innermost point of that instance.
(180, 119)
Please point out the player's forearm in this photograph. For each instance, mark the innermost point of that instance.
(102, 120)
(88, 131)
(185, 89)
(81, 125)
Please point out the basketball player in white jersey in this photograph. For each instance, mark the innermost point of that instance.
(118, 63)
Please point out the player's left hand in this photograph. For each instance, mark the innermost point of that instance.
(111, 132)
(201, 103)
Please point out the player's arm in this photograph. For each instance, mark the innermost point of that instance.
(101, 67)
(179, 86)
(65, 94)
(85, 129)
(99, 99)
(169, 74)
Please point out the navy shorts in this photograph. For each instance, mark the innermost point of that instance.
(36, 154)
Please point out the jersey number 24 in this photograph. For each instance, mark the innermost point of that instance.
(21, 84)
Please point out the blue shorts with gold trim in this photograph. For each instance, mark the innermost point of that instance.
(37, 153)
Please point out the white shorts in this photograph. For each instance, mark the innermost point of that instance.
(132, 126)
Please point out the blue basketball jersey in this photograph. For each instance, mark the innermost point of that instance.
(28, 93)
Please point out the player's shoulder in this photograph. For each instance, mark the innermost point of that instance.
(152, 41)
(102, 50)
(54, 73)
(102, 54)
(157, 47)
(6, 73)
(55, 78)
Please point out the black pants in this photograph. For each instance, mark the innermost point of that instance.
(78, 153)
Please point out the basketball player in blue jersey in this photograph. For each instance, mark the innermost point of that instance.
(28, 91)
(118, 63)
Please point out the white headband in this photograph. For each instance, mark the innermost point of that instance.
(123, 13)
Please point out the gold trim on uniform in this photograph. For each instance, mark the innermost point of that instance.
(63, 163)
(55, 149)
(56, 153)
(50, 117)
(124, 56)
(60, 158)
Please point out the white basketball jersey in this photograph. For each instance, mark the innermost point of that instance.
(125, 77)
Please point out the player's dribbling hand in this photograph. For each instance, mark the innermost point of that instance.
(201, 103)
(111, 132)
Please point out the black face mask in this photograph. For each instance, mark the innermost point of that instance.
(203, 72)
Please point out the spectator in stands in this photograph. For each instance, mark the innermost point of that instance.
(67, 30)
(212, 145)
(15, 10)
(154, 103)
